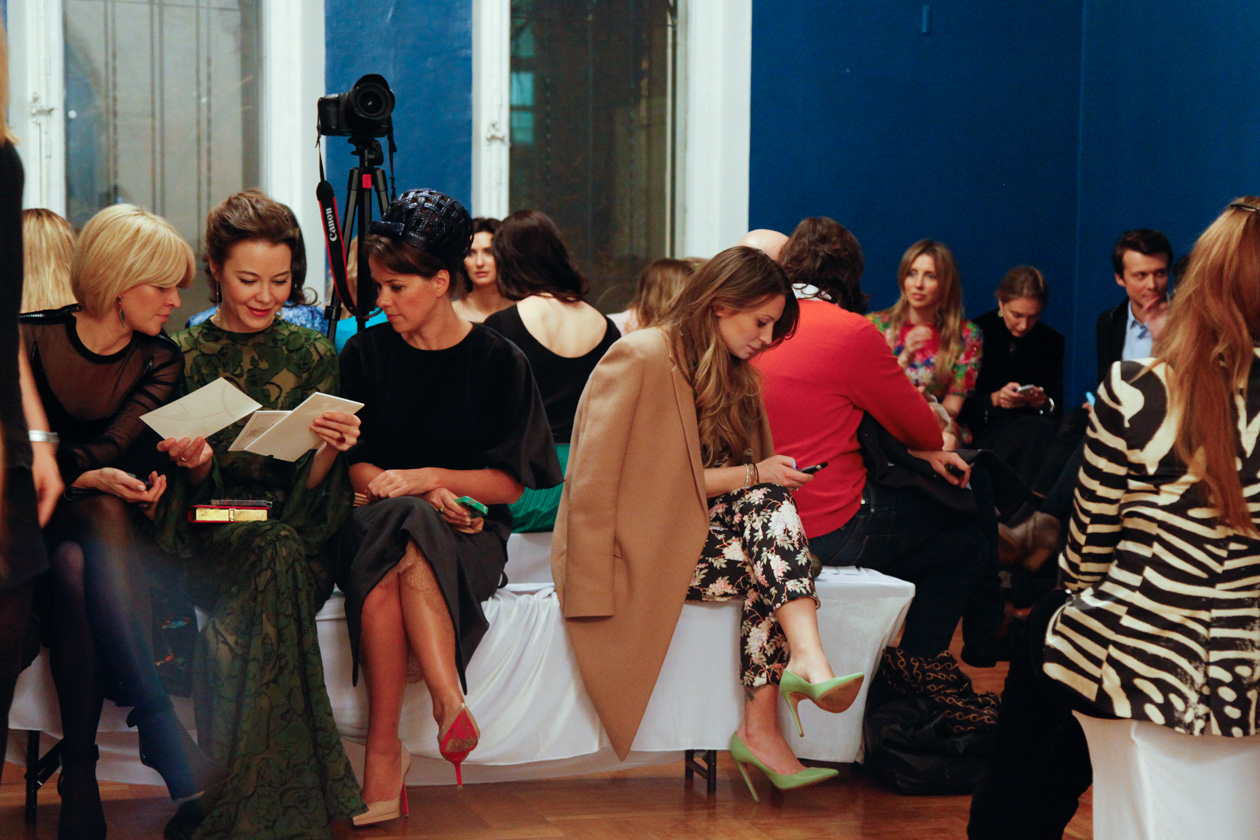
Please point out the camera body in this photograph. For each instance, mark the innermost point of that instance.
(363, 112)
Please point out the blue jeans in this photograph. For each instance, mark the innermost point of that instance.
(950, 559)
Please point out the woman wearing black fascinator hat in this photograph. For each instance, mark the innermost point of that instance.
(451, 412)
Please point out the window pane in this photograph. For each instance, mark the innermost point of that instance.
(591, 102)
(162, 108)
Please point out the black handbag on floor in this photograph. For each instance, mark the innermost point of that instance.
(928, 732)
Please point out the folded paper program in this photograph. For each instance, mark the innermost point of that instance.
(203, 412)
(281, 434)
(289, 438)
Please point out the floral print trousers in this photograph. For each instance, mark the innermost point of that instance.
(756, 551)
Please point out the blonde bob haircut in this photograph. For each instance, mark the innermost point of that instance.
(124, 246)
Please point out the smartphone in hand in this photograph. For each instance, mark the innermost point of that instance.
(475, 508)
(815, 468)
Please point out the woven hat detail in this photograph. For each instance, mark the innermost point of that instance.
(431, 221)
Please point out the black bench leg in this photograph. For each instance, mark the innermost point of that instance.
(38, 771)
(706, 766)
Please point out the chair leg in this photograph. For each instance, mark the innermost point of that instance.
(706, 766)
(38, 771)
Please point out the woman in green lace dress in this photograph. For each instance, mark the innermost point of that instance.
(260, 701)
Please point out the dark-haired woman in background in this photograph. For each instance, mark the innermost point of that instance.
(259, 691)
(562, 335)
(478, 287)
(450, 410)
(1004, 414)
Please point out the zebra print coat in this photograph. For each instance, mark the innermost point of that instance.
(1164, 621)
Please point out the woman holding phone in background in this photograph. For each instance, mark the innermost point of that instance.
(450, 411)
(1014, 409)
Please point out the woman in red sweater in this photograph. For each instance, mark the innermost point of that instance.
(817, 387)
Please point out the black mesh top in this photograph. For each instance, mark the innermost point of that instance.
(95, 402)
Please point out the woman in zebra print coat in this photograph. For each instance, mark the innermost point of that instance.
(1159, 620)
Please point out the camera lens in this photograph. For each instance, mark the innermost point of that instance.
(371, 100)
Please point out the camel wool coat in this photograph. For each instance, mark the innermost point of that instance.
(633, 520)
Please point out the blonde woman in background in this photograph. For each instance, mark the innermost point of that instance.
(658, 283)
(47, 246)
(937, 347)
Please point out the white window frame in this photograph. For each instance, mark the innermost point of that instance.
(293, 79)
(712, 152)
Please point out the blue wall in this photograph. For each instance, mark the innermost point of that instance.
(967, 134)
(424, 50)
(1015, 132)
(1170, 129)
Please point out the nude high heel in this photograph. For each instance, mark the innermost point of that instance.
(458, 739)
(388, 809)
(834, 695)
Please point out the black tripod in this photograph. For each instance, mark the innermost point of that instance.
(365, 179)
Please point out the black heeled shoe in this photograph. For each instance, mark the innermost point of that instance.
(82, 815)
(166, 746)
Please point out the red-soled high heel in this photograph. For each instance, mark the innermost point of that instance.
(458, 739)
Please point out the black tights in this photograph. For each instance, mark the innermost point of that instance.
(99, 615)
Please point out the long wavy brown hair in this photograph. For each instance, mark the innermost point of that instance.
(949, 312)
(1213, 326)
(727, 389)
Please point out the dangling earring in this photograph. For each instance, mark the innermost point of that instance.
(122, 317)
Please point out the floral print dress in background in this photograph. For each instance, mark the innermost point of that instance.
(922, 368)
(259, 696)
(756, 551)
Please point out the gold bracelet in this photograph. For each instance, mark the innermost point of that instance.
(756, 473)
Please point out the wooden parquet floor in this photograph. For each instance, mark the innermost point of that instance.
(650, 802)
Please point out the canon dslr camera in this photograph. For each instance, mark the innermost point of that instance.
(363, 112)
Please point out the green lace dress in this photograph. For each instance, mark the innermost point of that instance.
(258, 680)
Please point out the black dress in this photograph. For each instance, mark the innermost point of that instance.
(1019, 436)
(469, 407)
(560, 378)
(21, 544)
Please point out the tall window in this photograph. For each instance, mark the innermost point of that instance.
(592, 92)
(162, 106)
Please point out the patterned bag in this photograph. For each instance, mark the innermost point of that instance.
(928, 731)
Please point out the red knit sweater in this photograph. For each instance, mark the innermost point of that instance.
(816, 386)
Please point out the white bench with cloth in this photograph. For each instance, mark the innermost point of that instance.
(525, 690)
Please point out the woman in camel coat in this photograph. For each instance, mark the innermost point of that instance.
(673, 493)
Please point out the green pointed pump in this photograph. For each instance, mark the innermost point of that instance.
(742, 756)
(834, 695)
